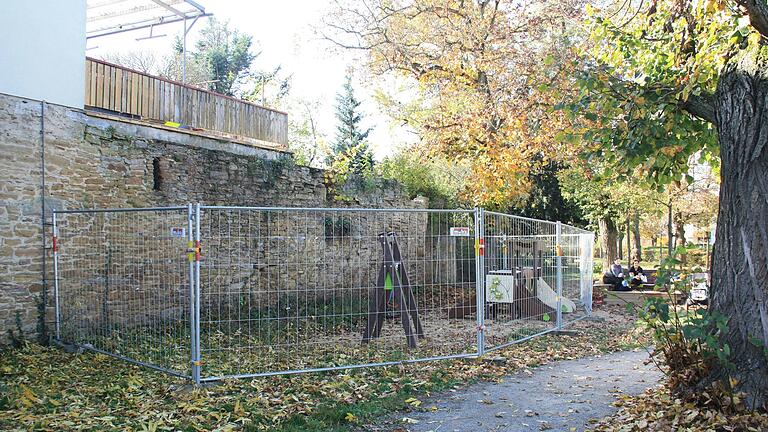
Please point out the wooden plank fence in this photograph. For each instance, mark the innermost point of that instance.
(125, 91)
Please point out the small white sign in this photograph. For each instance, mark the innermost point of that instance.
(459, 231)
(178, 232)
(499, 288)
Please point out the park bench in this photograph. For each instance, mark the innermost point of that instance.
(638, 295)
(650, 283)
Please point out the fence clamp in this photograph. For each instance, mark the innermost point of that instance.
(197, 363)
(193, 251)
(558, 250)
(480, 246)
(481, 327)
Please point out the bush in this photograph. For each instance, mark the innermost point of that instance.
(597, 267)
(17, 337)
(337, 227)
(439, 180)
(688, 340)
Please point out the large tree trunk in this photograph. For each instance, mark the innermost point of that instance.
(740, 259)
(608, 243)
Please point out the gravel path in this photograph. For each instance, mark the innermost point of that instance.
(561, 396)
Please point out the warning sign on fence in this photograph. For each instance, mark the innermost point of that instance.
(459, 231)
(178, 232)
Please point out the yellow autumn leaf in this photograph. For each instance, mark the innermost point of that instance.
(754, 38)
(413, 402)
(350, 417)
(238, 410)
(28, 398)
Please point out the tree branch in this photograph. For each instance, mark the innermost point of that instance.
(701, 106)
(758, 14)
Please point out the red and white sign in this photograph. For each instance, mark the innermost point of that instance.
(459, 231)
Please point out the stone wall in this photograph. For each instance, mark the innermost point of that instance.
(94, 162)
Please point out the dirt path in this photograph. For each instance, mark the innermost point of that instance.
(561, 396)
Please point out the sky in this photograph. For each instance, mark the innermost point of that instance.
(283, 32)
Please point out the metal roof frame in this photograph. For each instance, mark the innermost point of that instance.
(109, 17)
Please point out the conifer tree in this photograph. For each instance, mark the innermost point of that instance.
(350, 144)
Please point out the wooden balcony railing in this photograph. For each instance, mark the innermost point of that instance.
(113, 88)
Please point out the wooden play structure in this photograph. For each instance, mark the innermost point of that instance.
(514, 285)
(392, 282)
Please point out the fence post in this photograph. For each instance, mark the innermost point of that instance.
(197, 362)
(192, 293)
(55, 249)
(589, 270)
(480, 279)
(559, 274)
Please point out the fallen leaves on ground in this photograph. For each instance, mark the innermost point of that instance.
(48, 389)
(657, 410)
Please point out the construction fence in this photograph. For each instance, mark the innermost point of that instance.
(213, 292)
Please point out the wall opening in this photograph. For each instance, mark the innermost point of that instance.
(157, 175)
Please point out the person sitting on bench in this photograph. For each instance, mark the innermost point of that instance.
(615, 277)
(636, 275)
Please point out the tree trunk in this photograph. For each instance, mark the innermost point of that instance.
(629, 244)
(679, 229)
(740, 259)
(670, 238)
(636, 228)
(608, 235)
(620, 241)
(680, 235)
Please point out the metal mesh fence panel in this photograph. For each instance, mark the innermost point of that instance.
(289, 290)
(122, 284)
(210, 292)
(532, 277)
(519, 262)
(577, 247)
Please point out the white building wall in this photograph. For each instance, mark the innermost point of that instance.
(42, 50)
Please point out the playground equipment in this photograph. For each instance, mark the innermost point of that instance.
(520, 263)
(548, 296)
(392, 282)
(520, 295)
